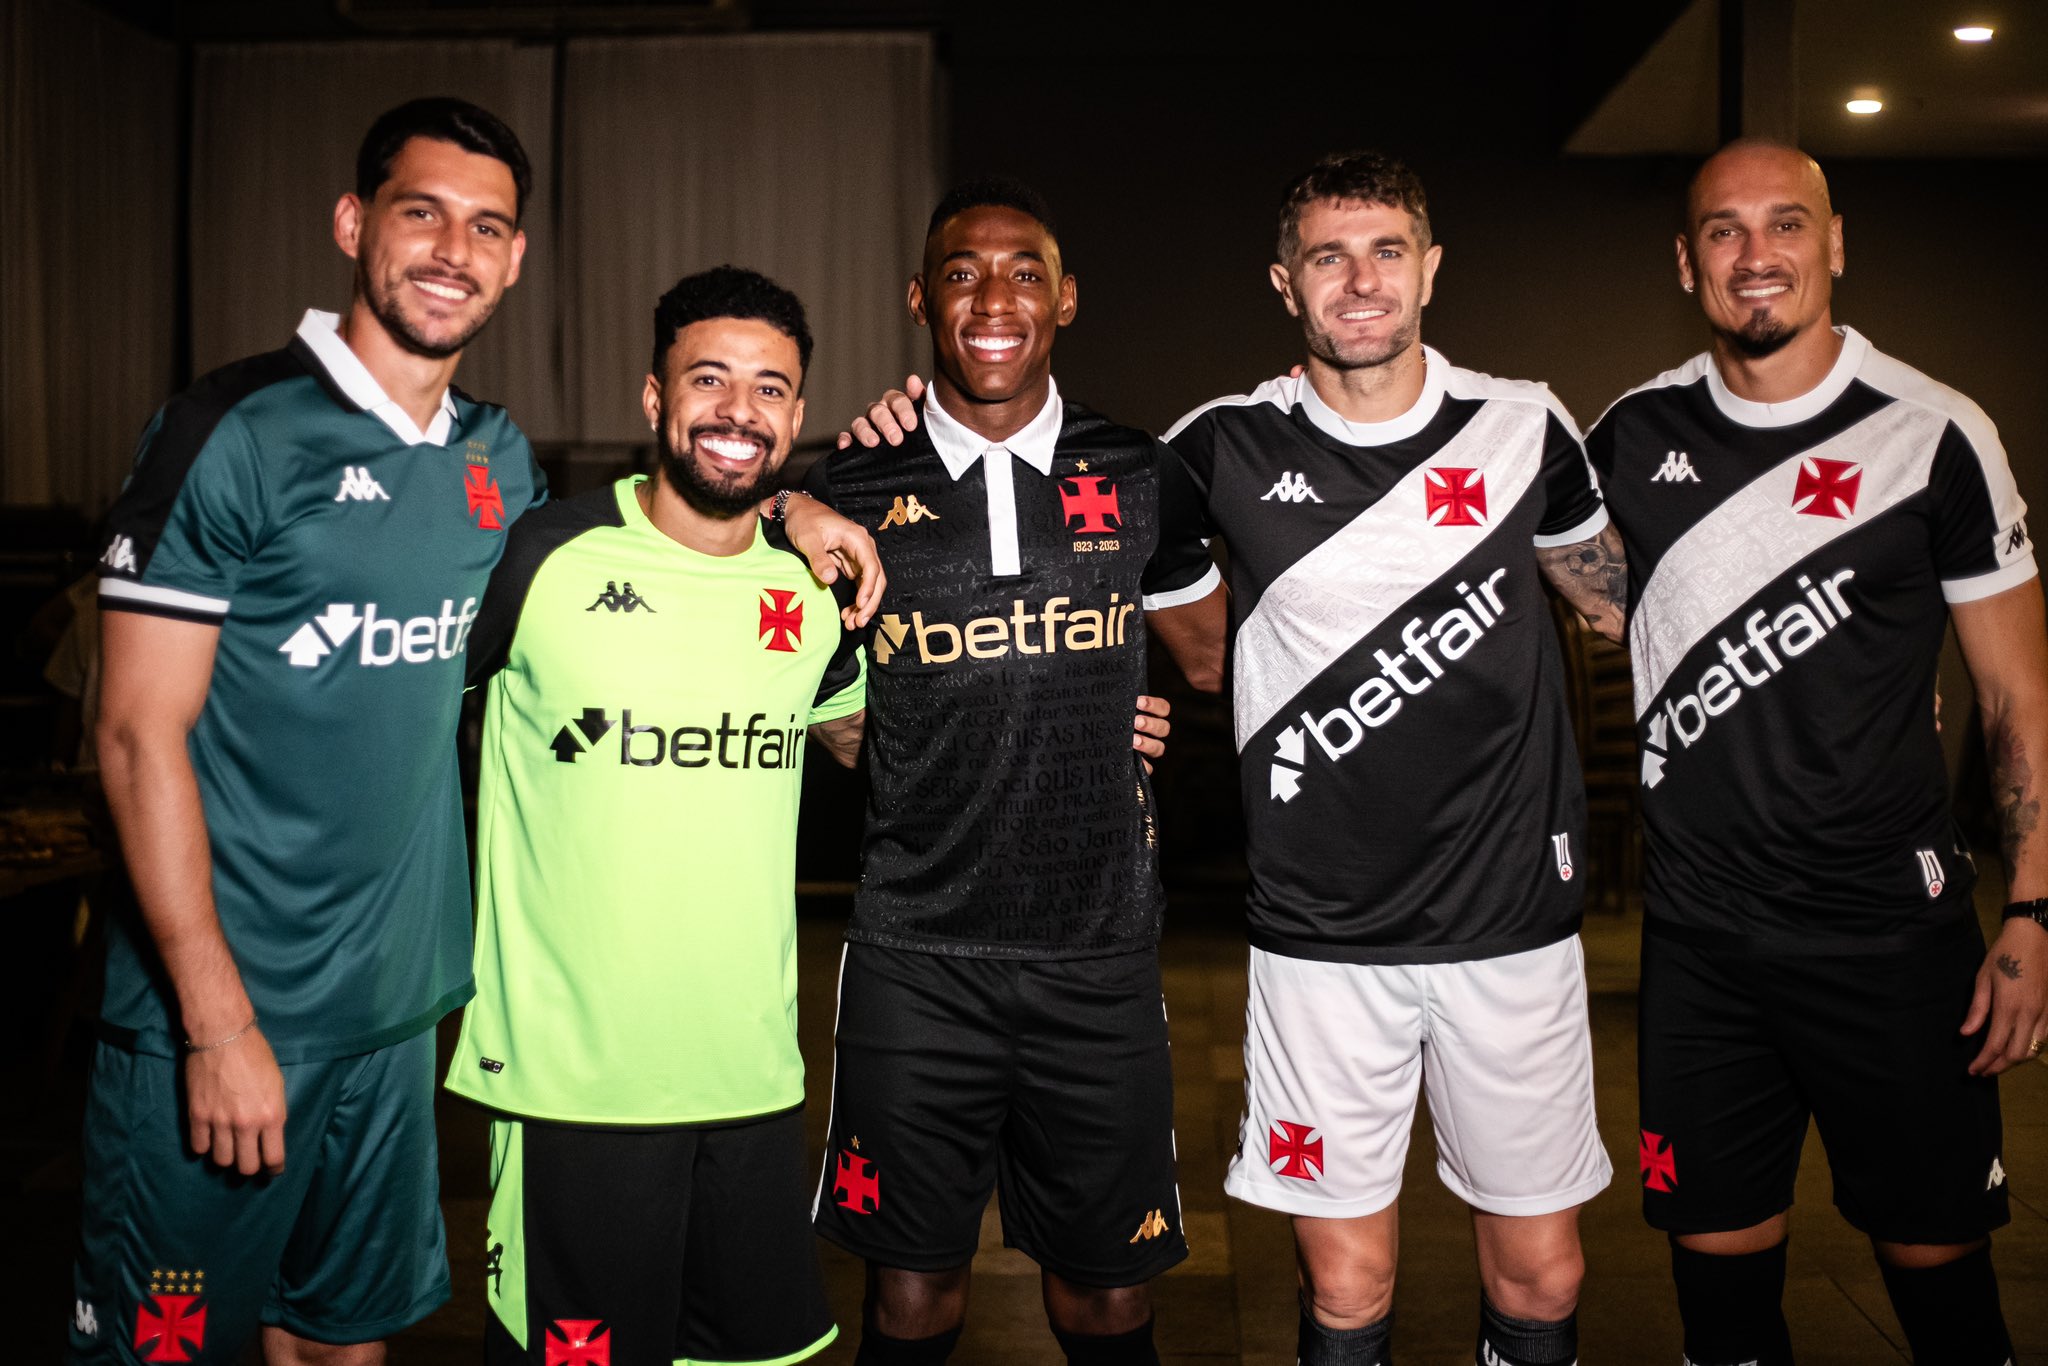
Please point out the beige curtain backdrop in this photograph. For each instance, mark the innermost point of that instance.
(810, 158)
(274, 134)
(88, 198)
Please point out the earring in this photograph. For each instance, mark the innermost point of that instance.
(1836, 273)
(1686, 288)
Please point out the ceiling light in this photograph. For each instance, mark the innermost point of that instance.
(1864, 106)
(1974, 33)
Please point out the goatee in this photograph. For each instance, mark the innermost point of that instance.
(723, 499)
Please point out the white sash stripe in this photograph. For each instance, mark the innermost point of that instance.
(1755, 537)
(1342, 591)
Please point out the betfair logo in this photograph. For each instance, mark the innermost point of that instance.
(749, 746)
(1029, 629)
(1151, 1227)
(907, 510)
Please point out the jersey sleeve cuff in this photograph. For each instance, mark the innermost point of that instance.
(1985, 585)
(1584, 531)
(126, 595)
(1211, 579)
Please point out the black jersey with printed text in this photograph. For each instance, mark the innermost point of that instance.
(1790, 569)
(1008, 815)
(1411, 788)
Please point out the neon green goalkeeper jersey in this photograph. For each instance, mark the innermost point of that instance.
(636, 819)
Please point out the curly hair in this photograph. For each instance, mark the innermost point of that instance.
(729, 292)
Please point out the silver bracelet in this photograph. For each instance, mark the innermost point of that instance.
(191, 1047)
(780, 510)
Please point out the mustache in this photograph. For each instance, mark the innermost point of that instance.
(453, 277)
(734, 429)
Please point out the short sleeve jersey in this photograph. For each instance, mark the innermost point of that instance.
(1411, 790)
(344, 563)
(1790, 568)
(1008, 815)
(636, 819)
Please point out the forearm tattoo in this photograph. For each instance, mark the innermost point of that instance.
(2012, 792)
(2009, 965)
(1593, 576)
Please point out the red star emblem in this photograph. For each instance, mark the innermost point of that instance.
(174, 1326)
(857, 1186)
(576, 1342)
(484, 499)
(1295, 1150)
(779, 618)
(1826, 488)
(1455, 497)
(1658, 1161)
(1091, 504)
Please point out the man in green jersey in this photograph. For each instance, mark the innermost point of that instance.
(655, 659)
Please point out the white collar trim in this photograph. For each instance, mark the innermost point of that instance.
(1809, 404)
(321, 332)
(959, 446)
(1436, 374)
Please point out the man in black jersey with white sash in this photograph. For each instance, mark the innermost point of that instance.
(1414, 809)
(1804, 517)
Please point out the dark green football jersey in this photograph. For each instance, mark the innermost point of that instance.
(285, 500)
(636, 819)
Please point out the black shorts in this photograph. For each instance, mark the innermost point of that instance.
(1737, 1049)
(640, 1247)
(1047, 1080)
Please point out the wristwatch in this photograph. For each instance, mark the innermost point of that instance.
(2035, 910)
(781, 508)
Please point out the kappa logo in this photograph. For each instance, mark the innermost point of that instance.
(1561, 846)
(173, 1324)
(1656, 1156)
(613, 599)
(1089, 501)
(1378, 700)
(384, 640)
(1454, 497)
(1930, 872)
(576, 1342)
(357, 484)
(486, 503)
(856, 1185)
(1676, 469)
(120, 554)
(2016, 539)
(905, 511)
(1290, 488)
(1997, 1177)
(1150, 1227)
(1826, 488)
(84, 1319)
(1295, 1151)
(651, 746)
(494, 1263)
(1058, 626)
(1776, 639)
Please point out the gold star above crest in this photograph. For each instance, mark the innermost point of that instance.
(1081, 465)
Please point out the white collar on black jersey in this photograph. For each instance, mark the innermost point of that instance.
(1435, 375)
(960, 447)
(1809, 404)
(321, 333)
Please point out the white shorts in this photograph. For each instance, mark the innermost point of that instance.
(1332, 1055)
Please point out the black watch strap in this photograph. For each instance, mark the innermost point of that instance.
(2035, 910)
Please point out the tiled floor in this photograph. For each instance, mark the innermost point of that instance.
(1233, 1300)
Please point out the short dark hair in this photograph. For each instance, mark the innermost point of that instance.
(444, 119)
(1367, 177)
(1002, 192)
(729, 292)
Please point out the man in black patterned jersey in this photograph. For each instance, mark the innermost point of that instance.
(1804, 517)
(1413, 805)
(1000, 1017)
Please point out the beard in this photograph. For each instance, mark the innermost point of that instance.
(1761, 336)
(723, 499)
(385, 307)
(1360, 355)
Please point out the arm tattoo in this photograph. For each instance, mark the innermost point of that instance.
(2009, 965)
(1593, 576)
(2012, 791)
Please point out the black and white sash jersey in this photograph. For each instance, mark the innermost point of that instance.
(1790, 567)
(1008, 815)
(1411, 789)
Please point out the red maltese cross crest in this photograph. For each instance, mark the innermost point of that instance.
(576, 1342)
(173, 1330)
(1454, 497)
(1091, 503)
(782, 620)
(1826, 488)
(857, 1186)
(1295, 1150)
(484, 499)
(1659, 1163)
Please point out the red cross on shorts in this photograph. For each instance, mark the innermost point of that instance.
(484, 499)
(1459, 495)
(1088, 502)
(785, 621)
(1659, 1162)
(576, 1342)
(857, 1186)
(175, 1327)
(1295, 1150)
(1826, 488)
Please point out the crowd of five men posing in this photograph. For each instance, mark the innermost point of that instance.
(296, 594)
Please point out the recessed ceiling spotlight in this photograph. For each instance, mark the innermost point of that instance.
(1974, 33)
(1865, 106)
